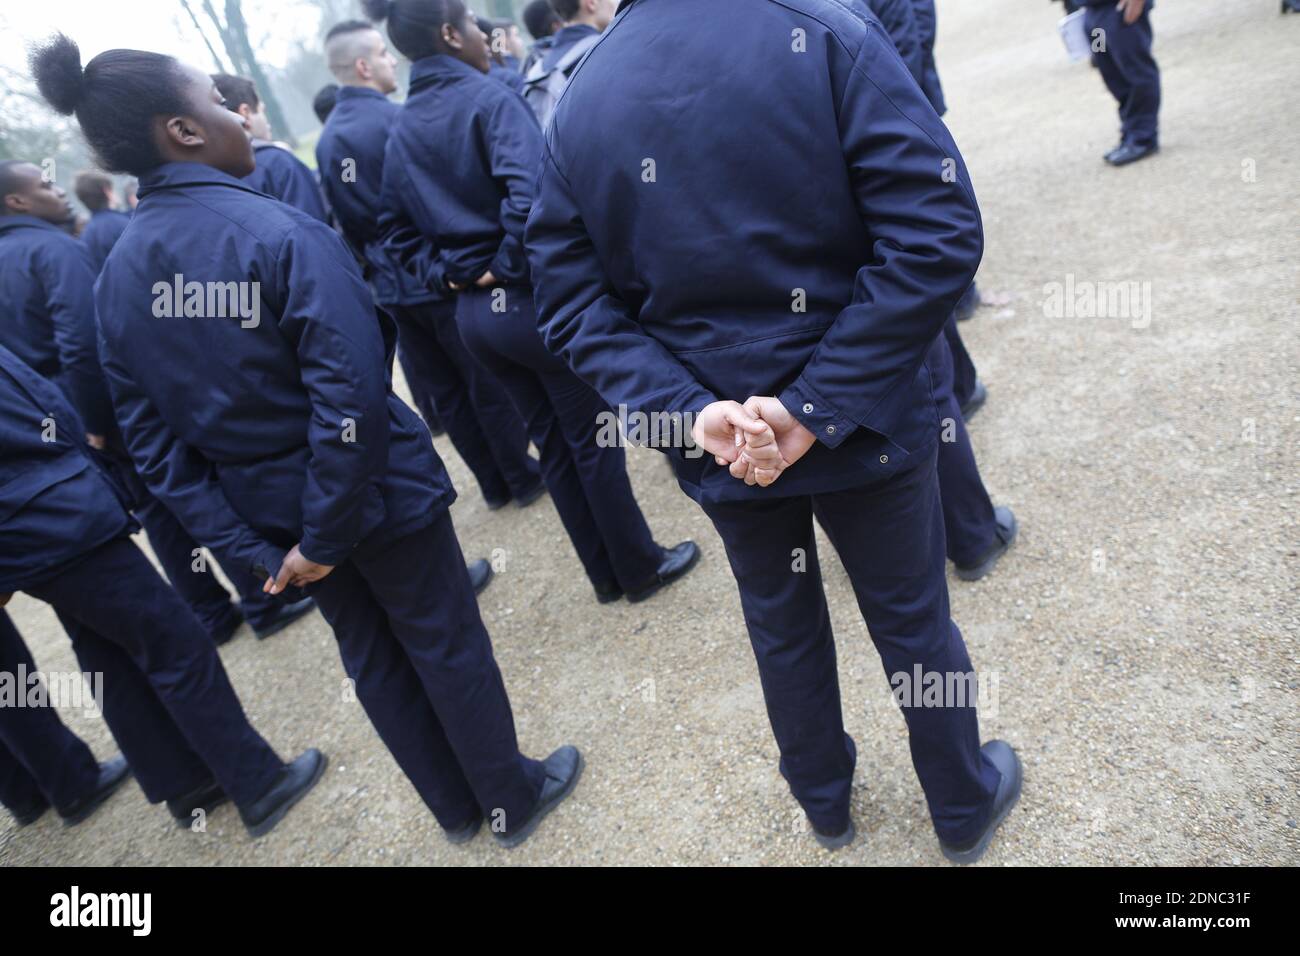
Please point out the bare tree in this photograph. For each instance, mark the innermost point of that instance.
(233, 30)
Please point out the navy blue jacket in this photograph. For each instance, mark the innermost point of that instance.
(563, 41)
(461, 166)
(56, 503)
(510, 77)
(283, 176)
(809, 227)
(257, 436)
(926, 28)
(101, 233)
(899, 21)
(357, 131)
(47, 312)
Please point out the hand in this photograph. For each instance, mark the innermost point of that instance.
(792, 439)
(1131, 9)
(760, 461)
(296, 570)
(485, 280)
(720, 428)
(95, 441)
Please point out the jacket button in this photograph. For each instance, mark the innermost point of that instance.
(884, 459)
(830, 429)
(807, 408)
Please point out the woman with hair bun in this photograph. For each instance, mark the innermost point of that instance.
(460, 166)
(252, 383)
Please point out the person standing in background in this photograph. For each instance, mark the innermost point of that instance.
(1121, 49)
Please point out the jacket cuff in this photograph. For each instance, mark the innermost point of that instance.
(816, 414)
(269, 560)
(325, 552)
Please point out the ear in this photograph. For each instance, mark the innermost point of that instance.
(452, 38)
(14, 202)
(183, 131)
(361, 66)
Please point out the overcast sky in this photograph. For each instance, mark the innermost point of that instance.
(158, 25)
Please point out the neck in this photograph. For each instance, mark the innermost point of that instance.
(363, 84)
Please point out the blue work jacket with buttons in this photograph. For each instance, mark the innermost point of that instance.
(56, 501)
(461, 165)
(101, 233)
(271, 421)
(781, 213)
(350, 157)
(283, 176)
(47, 312)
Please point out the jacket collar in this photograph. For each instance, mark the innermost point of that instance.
(9, 223)
(358, 92)
(439, 68)
(573, 33)
(177, 175)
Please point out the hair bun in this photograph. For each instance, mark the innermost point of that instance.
(377, 9)
(56, 64)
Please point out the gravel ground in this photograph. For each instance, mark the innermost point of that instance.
(1141, 635)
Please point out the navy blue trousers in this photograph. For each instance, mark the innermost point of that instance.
(413, 643)
(167, 699)
(479, 419)
(42, 762)
(588, 483)
(963, 368)
(890, 539)
(420, 393)
(1129, 71)
(174, 548)
(968, 520)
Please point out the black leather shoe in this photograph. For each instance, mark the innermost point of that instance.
(26, 816)
(480, 573)
(465, 833)
(207, 798)
(609, 593)
(531, 495)
(495, 504)
(1126, 153)
(112, 774)
(295, 780)
(284, 617)
(563, 768)
(1291, 6)
(966, 306)
(223, 632)
(677, 561)
(1003, 535)
(1004, 798)
(978, 396)
(833, 841)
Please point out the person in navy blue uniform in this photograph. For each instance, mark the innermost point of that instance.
(279, 173)
(95, 190)
(478, 417)
(582, 19)
(927, 28)
(43, 764)
(46, 287)
(809, 282)
(541, 21)
(270, 427)
(322, 104)
(64, 540)
(462, 160)
(1129, 71)
(500, 66)
(977, 533)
